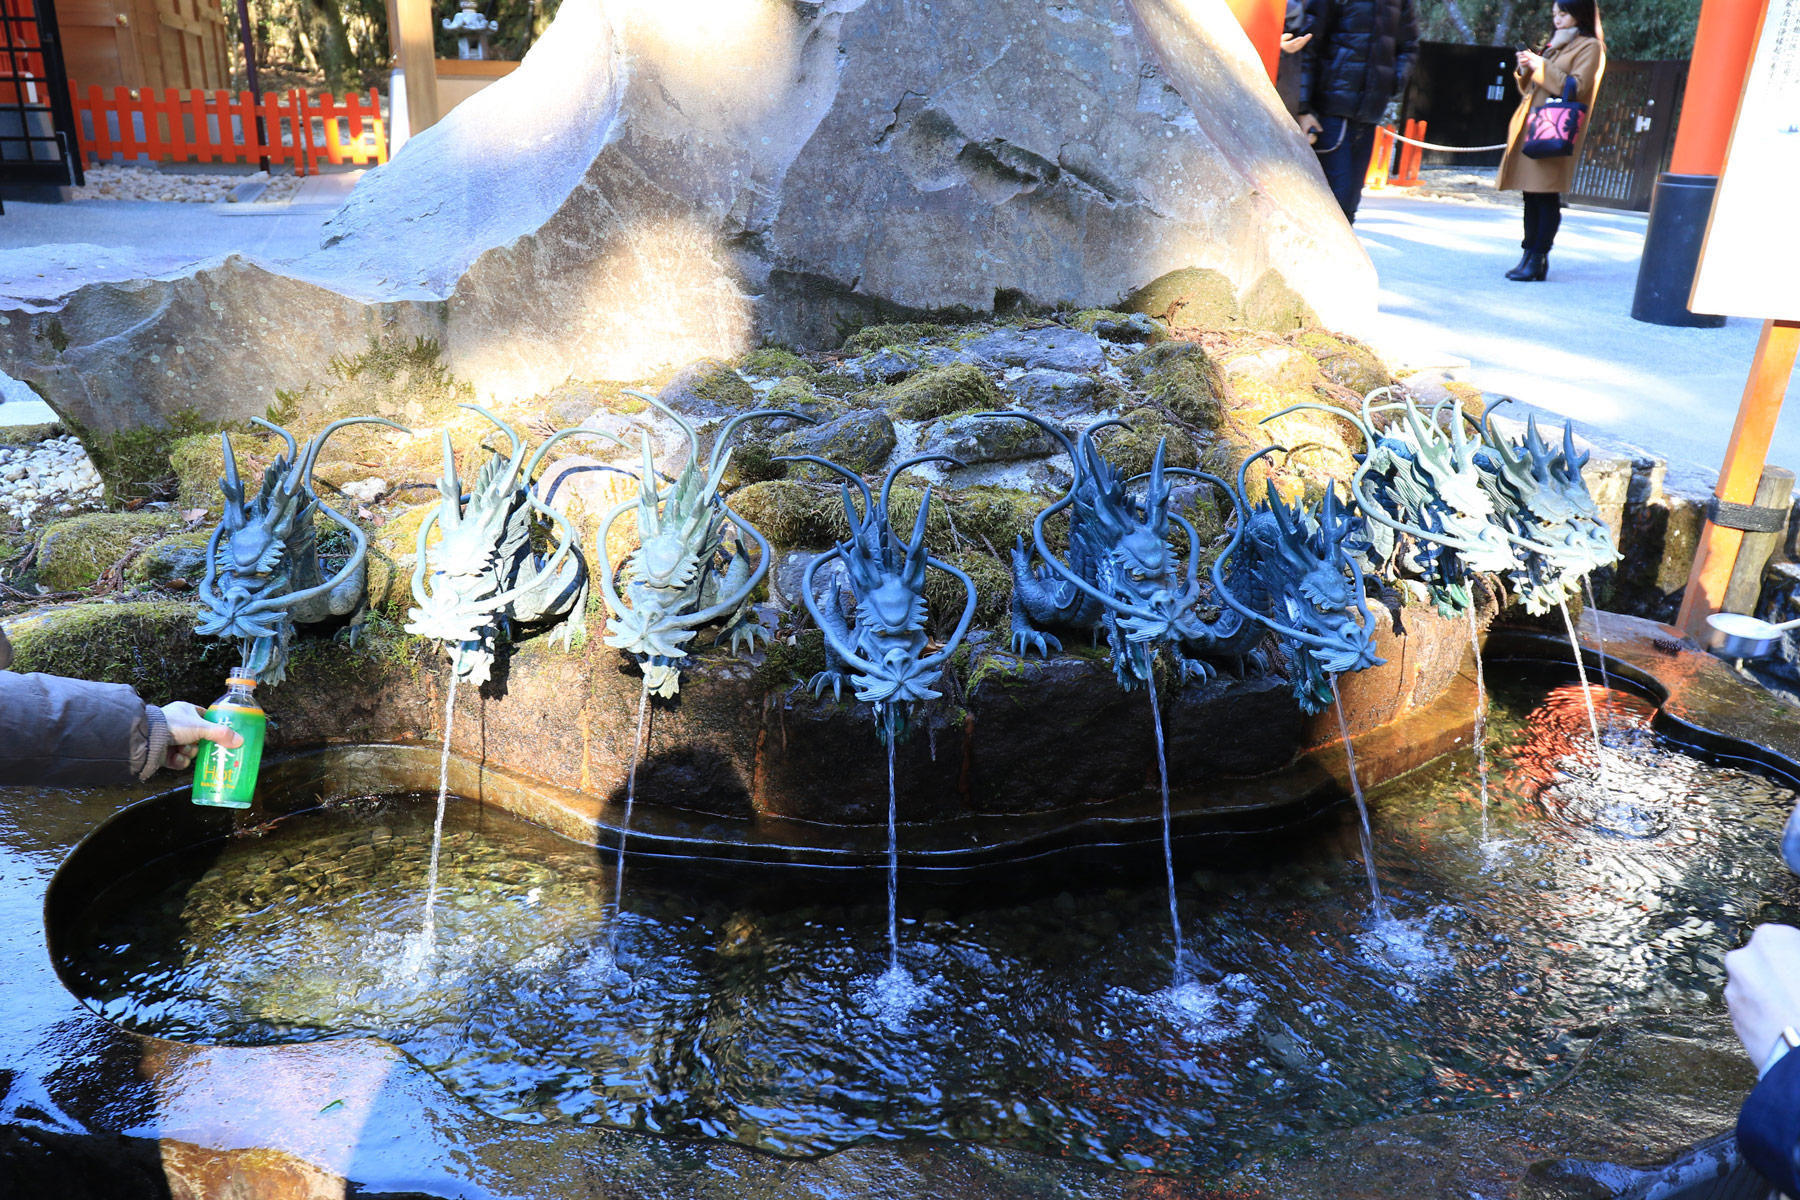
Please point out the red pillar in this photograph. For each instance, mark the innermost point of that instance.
(1722, 48)
(1263, 20)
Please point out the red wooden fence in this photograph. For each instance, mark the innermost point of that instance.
(198, 126)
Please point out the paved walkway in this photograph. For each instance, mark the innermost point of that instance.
(1567, 345)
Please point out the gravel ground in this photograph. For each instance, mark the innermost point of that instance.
(1469, 186)
(111, 181)
(53, 476)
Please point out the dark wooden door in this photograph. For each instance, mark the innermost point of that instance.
(37, 118)
(1631, 131)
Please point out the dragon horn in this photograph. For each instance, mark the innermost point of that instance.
(451, 487)
(518, 447)
(1362, 426)
(537, 457)
(313, 447)
(1157, 496)
(231, 486)
(724, 437)
(692, 437)
(1569, 456)
(420, 592)
(962, 626)
(862, 484)
(887, 485)
(209, 596)
(293, 448)
(915, 548)
(357, 558)
(1054, 430)
(608, 589)
(1244, 469)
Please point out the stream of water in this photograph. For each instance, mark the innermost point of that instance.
(1162, 776)
(1479, 735)
(427, 943)
(1593, 606)
(637, 753)
(1378, 905)
(1587, 692)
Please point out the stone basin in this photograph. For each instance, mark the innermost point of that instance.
(91, 1109)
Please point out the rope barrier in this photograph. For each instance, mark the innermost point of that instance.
(1449, 149)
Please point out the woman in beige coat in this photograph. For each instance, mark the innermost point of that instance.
(1577, 50)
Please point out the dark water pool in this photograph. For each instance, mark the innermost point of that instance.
(745, 1006)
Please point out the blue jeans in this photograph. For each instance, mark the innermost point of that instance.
(1344, 147)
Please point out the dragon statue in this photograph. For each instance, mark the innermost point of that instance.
(1543, 505)
(1307, 586)
(1421, 489)
(1122, 578)
(690, 568)
(880, 642)
(264, 577)
(487, 575)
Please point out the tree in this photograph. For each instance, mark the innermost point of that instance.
(1635, 29)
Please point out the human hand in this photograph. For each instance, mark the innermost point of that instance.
(1291, 44)
(188, 727)
(1309, 125)
(1529, 62)
(1763, 988)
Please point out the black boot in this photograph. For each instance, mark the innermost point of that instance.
(1533, 267)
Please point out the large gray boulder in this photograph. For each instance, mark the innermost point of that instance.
(656, 183)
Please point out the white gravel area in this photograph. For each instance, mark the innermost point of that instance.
(113, 181)
(52, 477)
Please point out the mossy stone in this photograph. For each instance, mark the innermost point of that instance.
(1116, 326)
(942, 391)
(795, 394)
(1183, 379)
(1188, 298)
(997, 516)
(783, 664)
(707, 388)
(1346, 362)
(902, 336)
(773, 362)
(1133, 450)
(174, 564)
(392, 554)
(75, 553)
(789, 514)
(148, 644)
(29, 435)
(944, 596)
(859, 441)
(199, 463)
(1272, 304)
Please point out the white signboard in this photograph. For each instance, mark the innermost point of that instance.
(1750, 266)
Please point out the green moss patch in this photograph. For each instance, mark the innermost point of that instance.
(174, 564)
(944, 596)
(942, 391)
(148, 644)
(1133, 450)
(1183, 379)
(708, 387)
(1345, 361)
(74, 553)
(789, 514)
(773, 362)
(1272, 304)
(1189, 298)
(901, 337)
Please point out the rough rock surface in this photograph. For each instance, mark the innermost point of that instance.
(696, 187)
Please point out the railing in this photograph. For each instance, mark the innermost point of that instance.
(136, 124)
(1383, 171)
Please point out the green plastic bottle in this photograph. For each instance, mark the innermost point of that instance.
(227, 778)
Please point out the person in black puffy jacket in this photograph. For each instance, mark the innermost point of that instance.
(1356, 62)
(73, 733)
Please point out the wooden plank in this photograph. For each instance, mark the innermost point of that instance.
(1774, 490)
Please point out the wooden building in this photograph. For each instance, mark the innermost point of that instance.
(146, 43)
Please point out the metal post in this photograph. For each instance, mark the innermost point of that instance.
(248, 41)
(1717, 552)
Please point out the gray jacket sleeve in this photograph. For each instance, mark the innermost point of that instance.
(73, 733)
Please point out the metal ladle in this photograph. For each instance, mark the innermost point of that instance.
(1736, 635)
